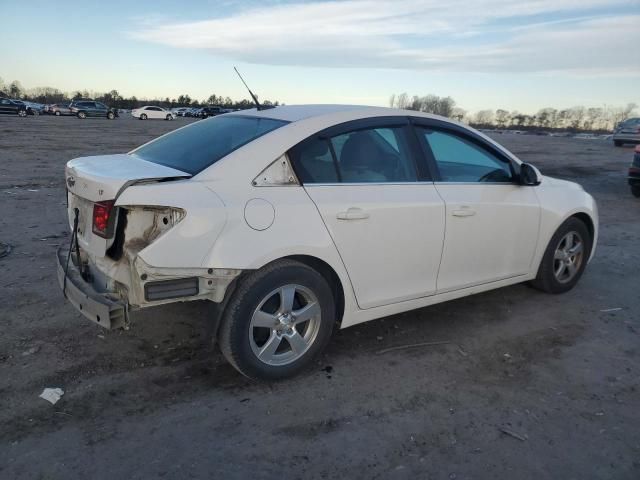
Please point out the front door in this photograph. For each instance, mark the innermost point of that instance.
(385, 219)
(492, 221)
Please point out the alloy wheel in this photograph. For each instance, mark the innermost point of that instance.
(285, 325)
(568, 257)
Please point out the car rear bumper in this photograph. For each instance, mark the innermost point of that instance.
(97, 307)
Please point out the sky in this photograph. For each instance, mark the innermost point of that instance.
(487, 54)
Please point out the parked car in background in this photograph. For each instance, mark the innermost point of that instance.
(627, 132)
(8, 106)
(206, 112)
(59, 109)
(31, 109)
(179, 112)
(90, 108)
(152, 112)
(634, 173)
(300, 218)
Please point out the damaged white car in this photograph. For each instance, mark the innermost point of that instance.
(297, 219)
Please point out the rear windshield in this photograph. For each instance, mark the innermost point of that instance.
(194, 148)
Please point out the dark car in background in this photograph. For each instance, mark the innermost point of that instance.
(627, 132)
(11, 107)
(91, 108)
(634, 173)
(59, 109)
(206, 112)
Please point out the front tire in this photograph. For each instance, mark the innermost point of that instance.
(111, 115)
(565, 258)
(169, 117)
(278, 320)
(143, 116)
(22, 113)
(635, 190)
(57, 113)
(82, 115)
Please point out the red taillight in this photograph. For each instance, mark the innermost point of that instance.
(101, 213)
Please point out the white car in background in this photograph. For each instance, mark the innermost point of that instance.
(297, 219)
(152, 112)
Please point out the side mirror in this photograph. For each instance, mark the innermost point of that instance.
(530, 175)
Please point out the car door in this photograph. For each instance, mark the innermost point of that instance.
(101, 109)
(492, 221)
(379, 206)
(5, 106)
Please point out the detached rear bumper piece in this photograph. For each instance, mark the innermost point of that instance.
(97, 307)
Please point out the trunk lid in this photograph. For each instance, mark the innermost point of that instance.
(100, 178)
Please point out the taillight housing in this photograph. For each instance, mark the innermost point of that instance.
(102, 221)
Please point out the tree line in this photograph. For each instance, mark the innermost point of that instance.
(575, 119)
(50, 95)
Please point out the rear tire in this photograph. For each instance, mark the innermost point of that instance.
(635, 191)
(278, 319)
(111, 115)
(82, 115)
(169, 117)
(143, 116)
(57, 113)
(565, 258)
(22, 113)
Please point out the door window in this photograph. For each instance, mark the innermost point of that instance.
(461, 160)
(376, 155)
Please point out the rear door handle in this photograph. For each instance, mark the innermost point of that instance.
(353, 213)
(463, 212)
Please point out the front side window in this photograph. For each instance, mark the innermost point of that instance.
(376, 155)
(192, 149)
(461, 160)
(101, 105)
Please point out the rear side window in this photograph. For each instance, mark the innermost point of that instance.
(375, 155)
(192, 149)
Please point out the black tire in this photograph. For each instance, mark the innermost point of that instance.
(169, 117)
(617, 143)
(546, 279)
(234, 333)
(143, 116)
(57, 113)
(22, 113)
(82, 115)
(635, 190)
(111, 115)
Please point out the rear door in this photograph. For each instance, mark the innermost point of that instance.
(379, 206)
(492, 221)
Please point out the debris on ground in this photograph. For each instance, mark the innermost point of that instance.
(411, 345)
(5, 249)
(52, 395)
(609, 310)
(513, 434)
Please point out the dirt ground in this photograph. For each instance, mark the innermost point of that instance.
(531, 386)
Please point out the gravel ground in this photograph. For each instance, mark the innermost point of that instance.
(530, 385)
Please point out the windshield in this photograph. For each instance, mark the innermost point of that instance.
(194, 148)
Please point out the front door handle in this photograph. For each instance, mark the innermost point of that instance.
(463, 212)
(353, 213)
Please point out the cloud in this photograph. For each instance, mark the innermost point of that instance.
(479, 36)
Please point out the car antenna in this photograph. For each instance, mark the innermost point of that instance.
(255, 99)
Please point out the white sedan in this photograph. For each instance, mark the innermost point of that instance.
(152, 112)
(298, 219)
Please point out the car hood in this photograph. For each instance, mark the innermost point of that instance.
(556, 182)
(103, 177)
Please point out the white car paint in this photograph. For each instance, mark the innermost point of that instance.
(152, 112)
(409, 245)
